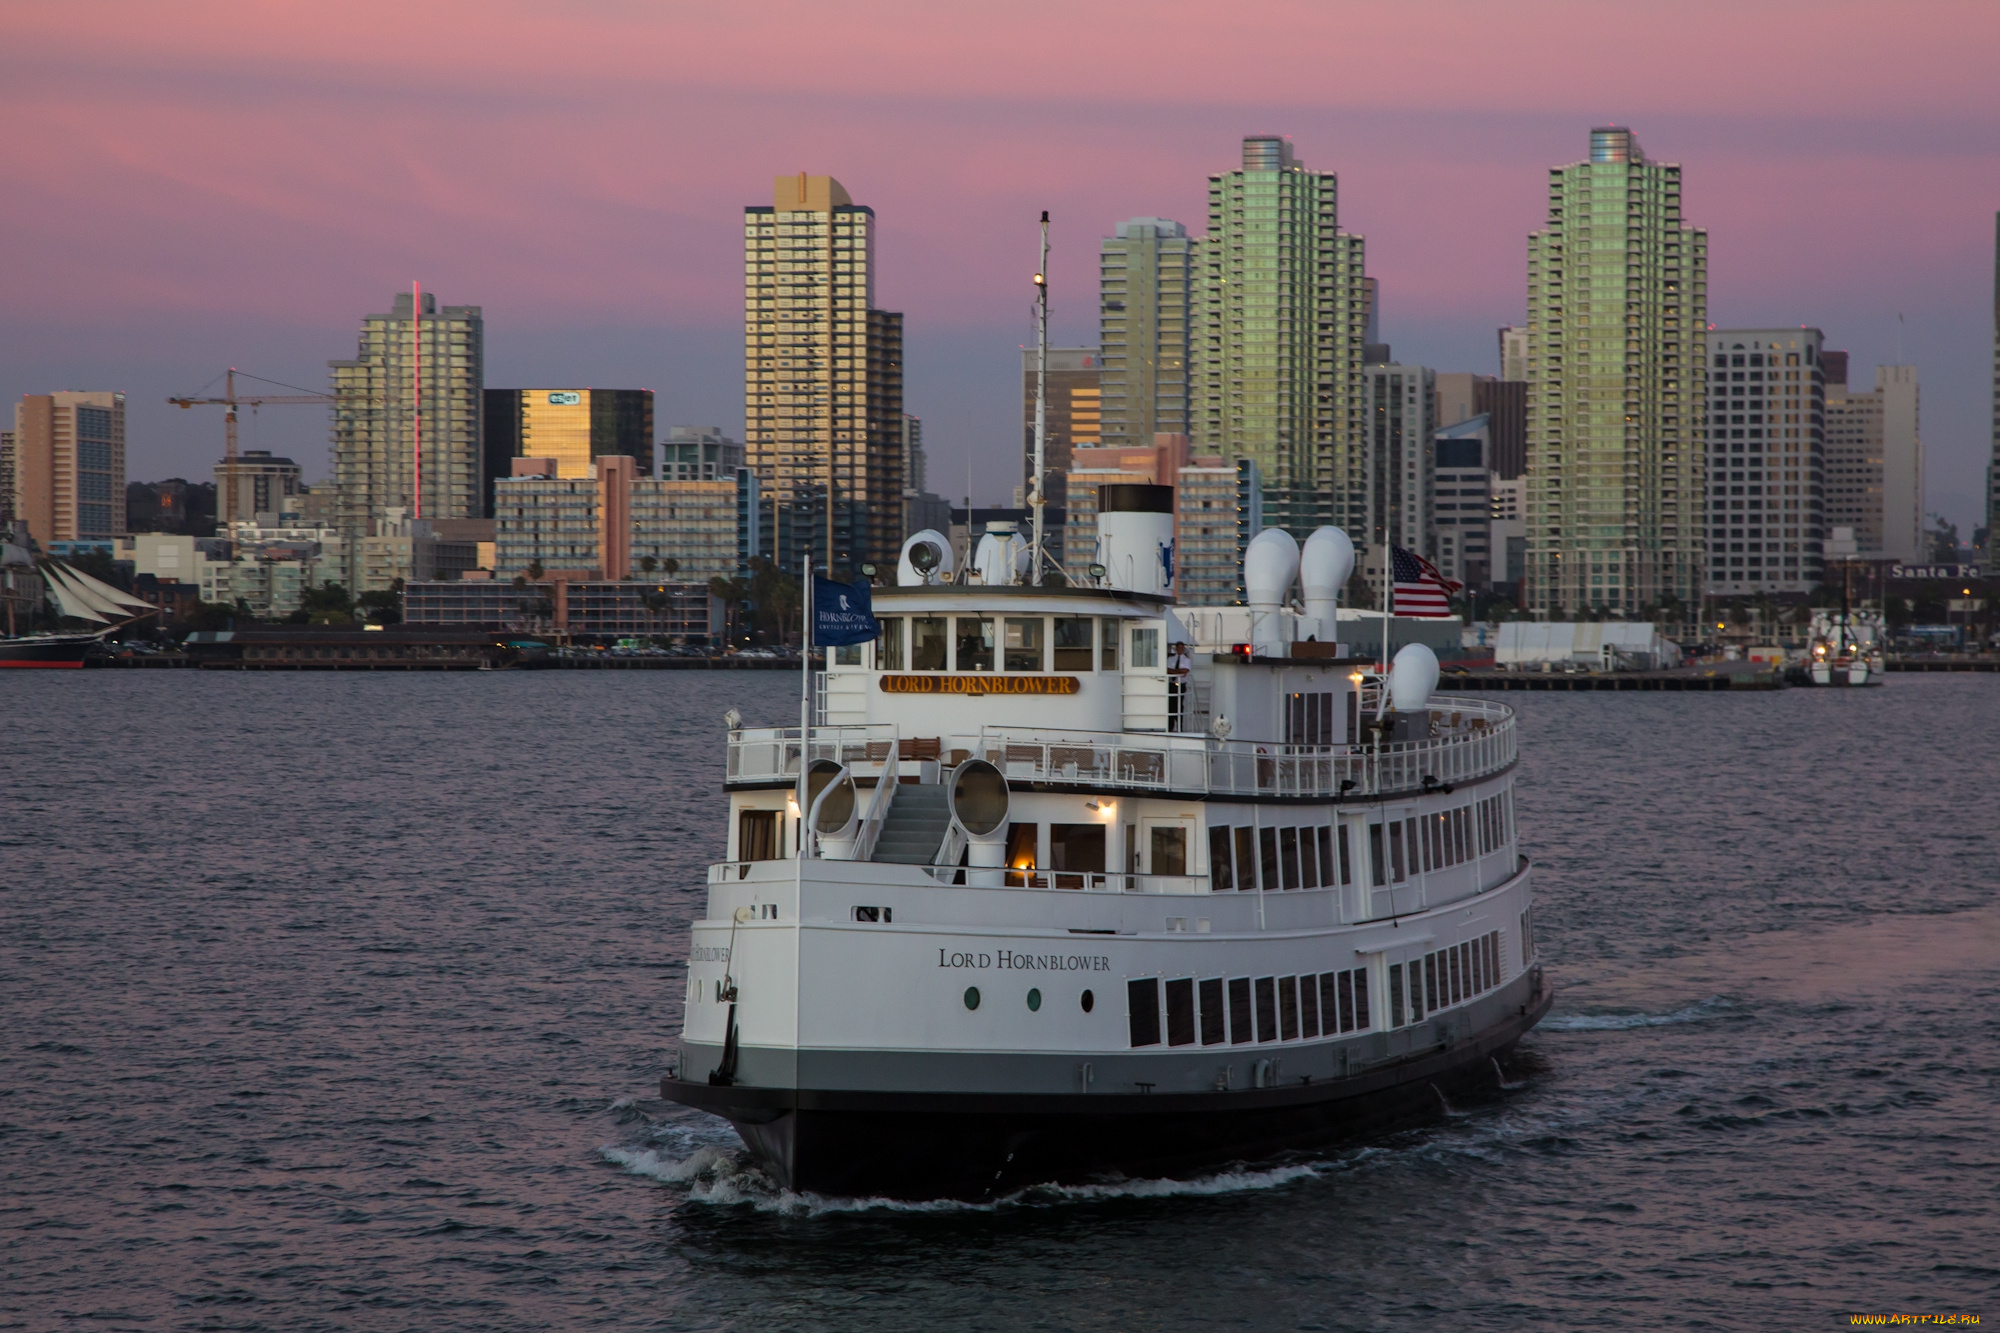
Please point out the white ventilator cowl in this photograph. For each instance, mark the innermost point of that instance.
(1412, 677)
(1324, 568)
(908, 575)
(1269, 565)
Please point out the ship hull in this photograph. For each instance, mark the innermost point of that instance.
(973, 1146)
(56, 653)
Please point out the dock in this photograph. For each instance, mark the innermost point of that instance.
(1706, 679)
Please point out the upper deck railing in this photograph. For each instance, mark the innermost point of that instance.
(1470, 739)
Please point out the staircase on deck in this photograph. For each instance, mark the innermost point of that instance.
(919, 816)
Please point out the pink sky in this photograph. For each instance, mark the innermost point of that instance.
(197, 184)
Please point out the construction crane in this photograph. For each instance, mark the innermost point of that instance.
(230, 401)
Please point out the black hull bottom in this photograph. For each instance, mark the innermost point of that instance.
(51, 652)
(928, 1146)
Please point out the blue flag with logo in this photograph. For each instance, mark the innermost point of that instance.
(842, 614)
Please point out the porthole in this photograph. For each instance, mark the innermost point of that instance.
(1034, 1001)
(1089, 1001)
(972, 997)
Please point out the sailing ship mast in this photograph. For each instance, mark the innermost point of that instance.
(1035, 497)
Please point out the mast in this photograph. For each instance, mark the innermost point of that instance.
(1035, 497)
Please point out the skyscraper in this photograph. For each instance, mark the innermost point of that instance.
(1875, 462)
(1617, 303)
(575, 427)
(1075, 388)
(1767, 449)
(1278, 328)
(1399, 419)
(1143, 286)
(1993, 466)
(68, 473)
(409, 416)
(823, 373)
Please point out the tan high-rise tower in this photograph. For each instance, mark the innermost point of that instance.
(68, 473)
(822, 376)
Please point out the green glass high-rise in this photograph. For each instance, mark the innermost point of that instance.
(1279, 323)
(1617, 306)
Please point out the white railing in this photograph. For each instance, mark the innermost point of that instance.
(1472, 739)
(879, 802)
(1083, 881)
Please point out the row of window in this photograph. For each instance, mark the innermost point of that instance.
(1305, 857)
(1244, 1009)
(1437, 841)
(1442, 979)
(1006, 643)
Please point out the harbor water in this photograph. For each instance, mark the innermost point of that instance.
(340, 1002)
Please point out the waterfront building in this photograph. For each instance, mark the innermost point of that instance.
(1617, 304)
(1767, 454)
(823, 370)
(1218, 508)
(67, 466)
(1090, 468)
(575, 427)
(922, 509)
(173, 505)
(614, 523)
(7, 475)
(1145, 276)
(267, 486)
(1875, 462)
(1075, 413)
(1509, 541)
(410, 404)
(1389, 500)
(1513, 355)
(1462, 502)
(1278, 327)
(699, 453)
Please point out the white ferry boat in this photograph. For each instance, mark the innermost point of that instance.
(1063, 883)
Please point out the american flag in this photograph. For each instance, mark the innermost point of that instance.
(1419, 589)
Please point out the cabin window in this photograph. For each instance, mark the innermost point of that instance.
(1169, 851)
(975, 642)
(1021, 839)
(1431, 984)
(1146, 648)
(1180, 1012)
(1288, 853)
(1410, 839)
(1288, 1008)
(1395, 995)
(847, 654)
(1346, 862)
(1246, 858)
(1309, 719)
(1308, 1006)
(1309, 877)
(1078, 848)
(1396, 851)
(1108, 639)
(927, 643)
(1142, 998)
(1239, 1011)
(889, 649)
(1023, 649)
(757, 835)
(1455, 967)
(1072, 643)
(1375, 862)
(1324, 837)
(1221, 873)
(1267, 856)
(1267, 1009)
(1361, 1019)
(1213, 1029)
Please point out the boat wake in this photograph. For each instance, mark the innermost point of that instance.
(721, 1175)
(1714, 1006)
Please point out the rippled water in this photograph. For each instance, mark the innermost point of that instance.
(337, 1002)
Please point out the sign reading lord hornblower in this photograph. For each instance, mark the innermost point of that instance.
(943, 684)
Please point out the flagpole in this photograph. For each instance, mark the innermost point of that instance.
(1388, 616)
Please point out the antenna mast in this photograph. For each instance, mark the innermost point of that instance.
(1035, 497)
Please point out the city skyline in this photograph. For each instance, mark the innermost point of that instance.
(629, 277)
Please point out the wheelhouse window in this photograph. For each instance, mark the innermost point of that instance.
(889, 649)
(1146, 648)
(1072, 643)
(1108, 638)
(975, 642)
(1169, 851)
(1023, 649)
(757, 835)
(927, 643)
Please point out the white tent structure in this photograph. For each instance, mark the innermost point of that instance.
(1608, 645)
